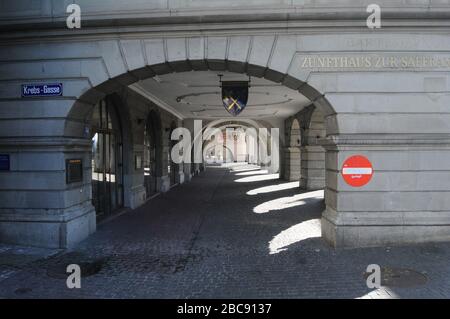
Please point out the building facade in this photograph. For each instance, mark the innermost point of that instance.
(382, 93)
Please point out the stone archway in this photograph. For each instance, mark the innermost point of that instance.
(120, 63)
(124, 62)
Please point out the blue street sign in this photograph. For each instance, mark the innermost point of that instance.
(4, 162)
(31, 90)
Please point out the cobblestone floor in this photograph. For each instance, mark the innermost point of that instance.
(230, 233)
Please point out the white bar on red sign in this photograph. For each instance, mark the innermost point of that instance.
(357, 170)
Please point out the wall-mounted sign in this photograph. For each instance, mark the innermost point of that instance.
(357, 171)
(74, 171)
(373, 61)
(4, 162)
(36, 90)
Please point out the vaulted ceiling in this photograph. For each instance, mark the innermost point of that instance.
(197, 94)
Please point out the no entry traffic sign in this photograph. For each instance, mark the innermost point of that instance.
(357, 171)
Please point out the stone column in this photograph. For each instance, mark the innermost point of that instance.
(187, 171)
(37, 205)
(180, 177)
(312, 167)
(163, 182)
(292, 163)
(311, 152)
(407, 200)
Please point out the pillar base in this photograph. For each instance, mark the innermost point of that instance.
(163, 183)
(60, 230)
(187, 172)
(312, 184)
(188, 177)
(351, 236)
(180, 178)
(292, 164)
(137, 196)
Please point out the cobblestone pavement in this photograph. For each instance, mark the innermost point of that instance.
(229, 233)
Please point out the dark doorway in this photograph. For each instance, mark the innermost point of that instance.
(107, 175)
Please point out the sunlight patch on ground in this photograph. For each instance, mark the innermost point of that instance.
(297, 233)
(258, 178)
(273, 188)
(287, 202)
(253, 172)
(380, 293)
(236, 167)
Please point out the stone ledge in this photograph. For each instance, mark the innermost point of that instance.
(56, 141)
(136, 196)
(222, 13)
(386, 140)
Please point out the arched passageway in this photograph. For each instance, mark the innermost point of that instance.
(99, 140)
(386, 132)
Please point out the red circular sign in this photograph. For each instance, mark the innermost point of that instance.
(357, 171)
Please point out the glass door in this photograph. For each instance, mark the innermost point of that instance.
(107, 188)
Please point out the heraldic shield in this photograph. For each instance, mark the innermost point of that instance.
(235, 96)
